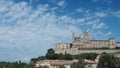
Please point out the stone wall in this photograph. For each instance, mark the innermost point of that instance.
(74, 51)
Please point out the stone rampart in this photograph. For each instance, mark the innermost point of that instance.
(74, 51)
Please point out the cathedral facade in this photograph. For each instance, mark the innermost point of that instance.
(85, 43)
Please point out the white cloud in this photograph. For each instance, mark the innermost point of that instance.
(32, 31)
(69, 20)
(100, 14)
(109, 33)
(96, 24)
(87, 11)
(80, 20)
(93, 22)
(30, 1)
(79, 10)
(117, 14)
(61, 3)
(101, 25)
(54, 8)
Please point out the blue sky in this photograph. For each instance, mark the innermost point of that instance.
(29, 27)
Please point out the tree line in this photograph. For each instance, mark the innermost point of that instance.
(12, 64)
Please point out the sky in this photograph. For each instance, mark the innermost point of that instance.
(29, 27)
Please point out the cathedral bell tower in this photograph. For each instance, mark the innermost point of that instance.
(86, 36)
(73, 35)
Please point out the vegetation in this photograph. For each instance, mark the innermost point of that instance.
(79, 64)
(62, 67)
(107, 61)
(117, 47)
(34, 60)
(30, 65)
(12, 64)
(90, 56)
(117, 64)
(71, 45)
(51, 55)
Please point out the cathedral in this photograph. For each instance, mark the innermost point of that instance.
(85, 43)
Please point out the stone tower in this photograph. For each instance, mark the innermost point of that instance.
(86, 36)
(73, 35)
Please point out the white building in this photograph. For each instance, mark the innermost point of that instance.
(55, 63)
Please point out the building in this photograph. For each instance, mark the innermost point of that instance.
(90, 64)
(55, 63)
(85, 45)
(65, 63)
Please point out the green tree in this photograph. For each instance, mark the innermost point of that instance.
(117, 62)
(68, 57)
(41, 58)
(12, 64)
(62, 66)
(30, 65)
(34, 60)
(60, 56)
(79, 64)
(90, 56)
(106, 61)
(50, 54)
